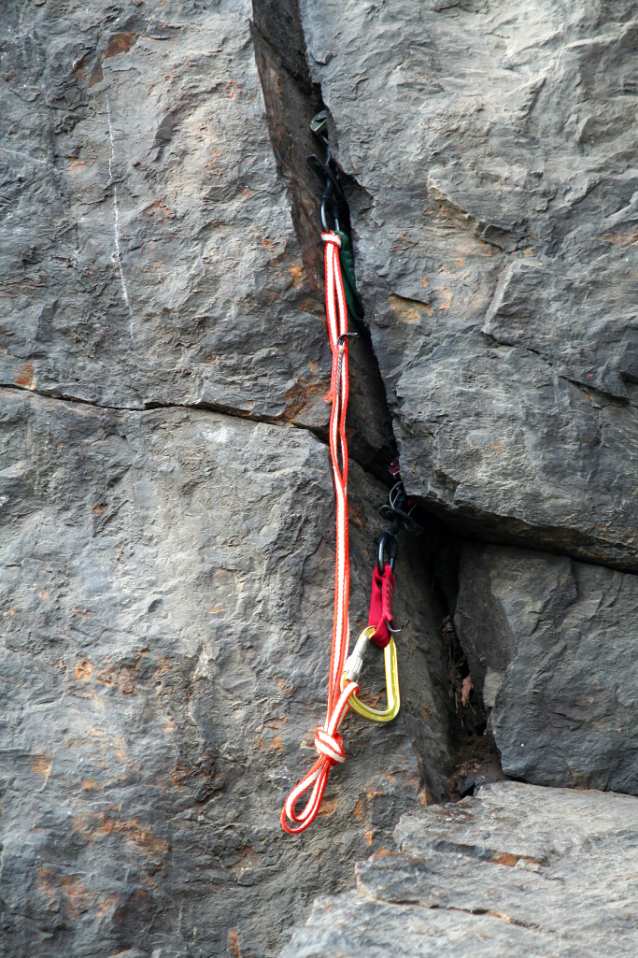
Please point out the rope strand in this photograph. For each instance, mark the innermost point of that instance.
(328, 742)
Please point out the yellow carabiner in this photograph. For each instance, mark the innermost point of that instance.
(353, 667)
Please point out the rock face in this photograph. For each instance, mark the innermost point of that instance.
(148, 255)
(168, 271)
(166, 603)
(496, 226)
(167, 563)
(166, 496)
(520, 870)
(552, 644)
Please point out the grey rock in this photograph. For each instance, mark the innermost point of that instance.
(495, 219)
(167, 554)
(491, 684)
(167, 570)
(519, 870)
(147, 249)
(291, 101)
(166, 602)
(147, 253)
(551, 645)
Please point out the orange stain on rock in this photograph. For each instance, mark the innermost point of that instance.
(26, 376)
(328, 807)
(288, 687)
(302, 394)
(383, 853)
(83, 670)
(126, 680)
(120, 43)
(233, 944)
(96, 75)
(621, 239)
(107, 905)
(408, 310)
(77, 898)
(506, 858)
(232, 89)
(296, 274)
(42, 766)
(95, 828)
(446, 298)
(141, 835)
(158, 207)
(123, 679)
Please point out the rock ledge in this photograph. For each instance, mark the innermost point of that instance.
(517, 871)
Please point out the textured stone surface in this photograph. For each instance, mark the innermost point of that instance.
(147, 253)
(167, 570)
(520, 870)
(495, 152)
(166, 607)
(556, 642)
(291, 101)
(147, 250)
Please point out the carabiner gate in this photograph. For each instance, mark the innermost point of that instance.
(388, 547)
(353, 666)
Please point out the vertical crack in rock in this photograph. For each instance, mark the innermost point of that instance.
(475, 756)
(291, 101)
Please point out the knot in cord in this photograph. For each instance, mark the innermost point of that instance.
(331, 238)
(330, 745)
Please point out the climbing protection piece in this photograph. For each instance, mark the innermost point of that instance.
(341, 295)
(380, 621)
(354, 664)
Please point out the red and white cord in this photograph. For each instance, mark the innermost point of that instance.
(328, 741)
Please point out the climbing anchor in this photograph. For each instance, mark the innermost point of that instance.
(342, 301)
